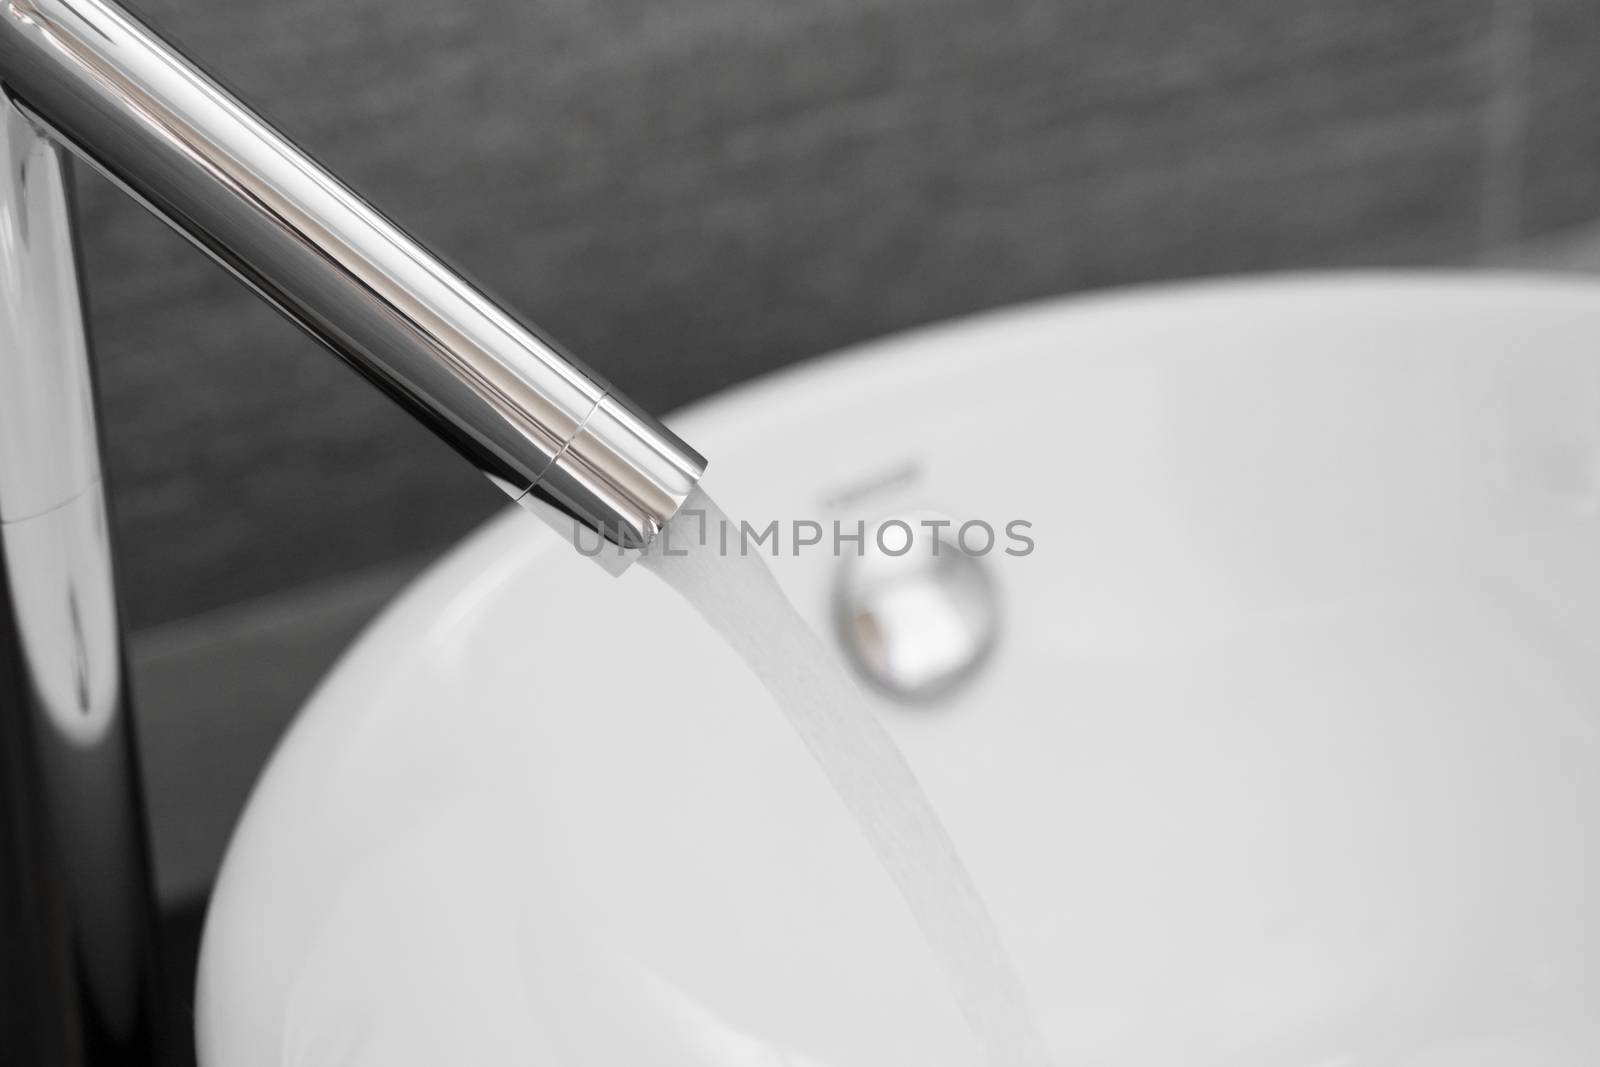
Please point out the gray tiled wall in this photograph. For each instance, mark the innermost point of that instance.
(1562, 162)
(691, 192)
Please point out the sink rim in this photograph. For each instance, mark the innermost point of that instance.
(411, 611)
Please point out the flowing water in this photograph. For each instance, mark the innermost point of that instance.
(738, 596)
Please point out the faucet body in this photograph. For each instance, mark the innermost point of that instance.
(83, 77)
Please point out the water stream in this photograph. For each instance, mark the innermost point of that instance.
(739, 597)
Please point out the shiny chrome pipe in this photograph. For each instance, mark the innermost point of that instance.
(78, 968)
(548, 431)
(77, 958)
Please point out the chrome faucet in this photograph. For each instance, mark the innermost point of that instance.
(86, 79)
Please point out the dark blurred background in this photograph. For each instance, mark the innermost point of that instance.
(688, 193)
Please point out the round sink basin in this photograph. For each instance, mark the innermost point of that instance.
(1283, 747)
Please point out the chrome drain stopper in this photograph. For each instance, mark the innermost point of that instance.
(916, 613)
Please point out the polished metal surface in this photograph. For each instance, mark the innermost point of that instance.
(619, 467)
(48, 453)
(528, 416)
(919, 622)
(77, 959)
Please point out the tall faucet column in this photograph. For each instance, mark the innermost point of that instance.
(78, 973)
(87, 76)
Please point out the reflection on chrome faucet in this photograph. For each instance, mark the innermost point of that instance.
(85, 77)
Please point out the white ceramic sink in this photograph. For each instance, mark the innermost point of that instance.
(1288, 754)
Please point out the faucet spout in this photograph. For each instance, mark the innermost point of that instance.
(547, 430)
(85, 77)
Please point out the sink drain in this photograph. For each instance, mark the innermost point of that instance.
(916, 613)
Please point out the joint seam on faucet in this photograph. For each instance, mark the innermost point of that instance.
(52, 509)
(566, 445)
